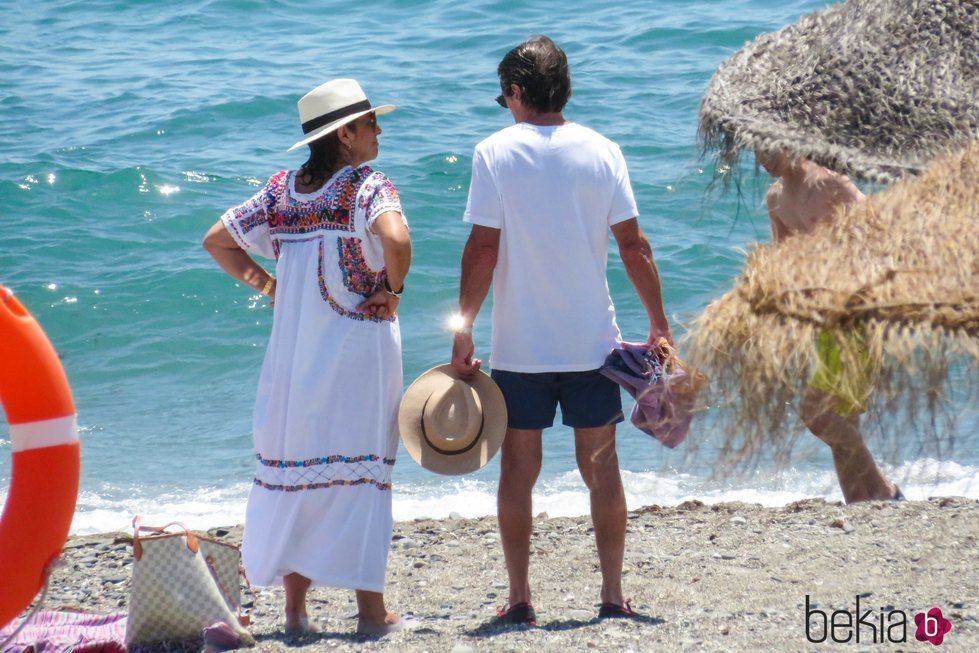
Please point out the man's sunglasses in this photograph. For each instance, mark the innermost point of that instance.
(501, 100)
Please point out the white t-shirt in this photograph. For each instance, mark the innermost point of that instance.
(553, 192)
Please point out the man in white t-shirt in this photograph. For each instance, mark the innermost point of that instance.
(544, 195)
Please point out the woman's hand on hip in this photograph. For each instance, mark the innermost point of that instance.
(381, 304)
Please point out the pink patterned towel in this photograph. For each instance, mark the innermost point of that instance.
(78, 632)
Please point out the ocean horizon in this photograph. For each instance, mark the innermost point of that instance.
(129, 127)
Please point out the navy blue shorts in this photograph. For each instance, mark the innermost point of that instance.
(587, 399)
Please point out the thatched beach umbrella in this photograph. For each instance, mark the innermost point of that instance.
(870, 88)
(897, 275)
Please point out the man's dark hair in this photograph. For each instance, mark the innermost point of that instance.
(540, 68)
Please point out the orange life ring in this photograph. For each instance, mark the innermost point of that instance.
(46, 457)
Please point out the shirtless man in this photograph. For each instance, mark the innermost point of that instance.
(804, 195)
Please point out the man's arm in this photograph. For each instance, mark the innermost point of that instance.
(637, 256)
(478, 263)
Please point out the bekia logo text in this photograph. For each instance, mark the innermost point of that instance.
(870, 626)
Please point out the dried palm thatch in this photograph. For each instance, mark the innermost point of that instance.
(870, 88)
(896, 276)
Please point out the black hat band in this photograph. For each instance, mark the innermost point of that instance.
(327, 118)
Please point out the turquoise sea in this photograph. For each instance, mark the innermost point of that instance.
(128, 126)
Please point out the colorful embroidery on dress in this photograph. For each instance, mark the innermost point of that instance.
(357, 275)
(249, 215)
(333, 209)
(324, 472)
(377, 194)
(327, 460)
(251, 221)
(246, 216)
(325, 292)
(384, 487)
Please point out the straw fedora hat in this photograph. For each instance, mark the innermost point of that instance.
(451, 425)
(331, 105)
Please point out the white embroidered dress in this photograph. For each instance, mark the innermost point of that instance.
(325, 422)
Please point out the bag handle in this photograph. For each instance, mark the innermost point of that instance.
(192, 544)
(243, 618)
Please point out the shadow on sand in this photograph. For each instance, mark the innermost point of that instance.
(492, 629)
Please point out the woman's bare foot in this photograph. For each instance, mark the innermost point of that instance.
(296, 587)
(300, 625)
(392, 623)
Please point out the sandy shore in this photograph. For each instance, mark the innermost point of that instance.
(729, 577)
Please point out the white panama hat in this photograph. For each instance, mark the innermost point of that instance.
(331, 105)
(451, 425)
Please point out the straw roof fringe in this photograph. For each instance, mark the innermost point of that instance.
(870, 88)
(900, 269)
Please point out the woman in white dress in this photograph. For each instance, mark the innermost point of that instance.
(325, 421)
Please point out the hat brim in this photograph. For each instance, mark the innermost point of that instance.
(491, 435)
(337, 124)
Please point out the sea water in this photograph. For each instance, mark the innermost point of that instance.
(128, 126)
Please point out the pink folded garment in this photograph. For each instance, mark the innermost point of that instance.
(79, 632)
(663, 389)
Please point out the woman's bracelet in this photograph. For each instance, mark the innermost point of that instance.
(269, 285)
(397, 293)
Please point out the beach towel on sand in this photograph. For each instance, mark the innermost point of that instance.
(663, 388)
(79, 632)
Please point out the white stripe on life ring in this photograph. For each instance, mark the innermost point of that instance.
(45, 433)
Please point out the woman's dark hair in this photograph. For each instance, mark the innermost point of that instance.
(325, 158)
(540, 68)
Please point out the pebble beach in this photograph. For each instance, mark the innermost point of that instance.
(117, 159)
(723, 577)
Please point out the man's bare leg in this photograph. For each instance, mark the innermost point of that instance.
(599, 467)
(860, 478)
(520, 464)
